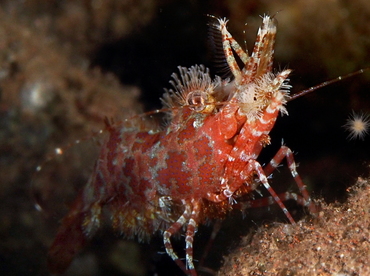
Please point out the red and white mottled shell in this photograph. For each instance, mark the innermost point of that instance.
(197, 166)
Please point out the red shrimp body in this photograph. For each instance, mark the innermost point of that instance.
(196, 167)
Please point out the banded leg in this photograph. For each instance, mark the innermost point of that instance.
(266, 201)
(263, 179)
(226, 36)
(285, 152)
(190, 232)
(263, 50)
(229, 42)
(174, 228)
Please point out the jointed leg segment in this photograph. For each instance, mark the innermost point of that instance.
(285, 152)
(189, 217)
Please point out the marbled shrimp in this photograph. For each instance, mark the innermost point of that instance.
(195, 168)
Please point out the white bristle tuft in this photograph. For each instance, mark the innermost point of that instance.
(358, 125)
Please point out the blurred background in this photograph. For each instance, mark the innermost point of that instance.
(66, 65)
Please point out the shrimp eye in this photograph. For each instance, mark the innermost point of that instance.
(200, 101)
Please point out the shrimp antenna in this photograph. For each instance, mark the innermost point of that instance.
(326, 83)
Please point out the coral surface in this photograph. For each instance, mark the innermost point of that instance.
(337, 242)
